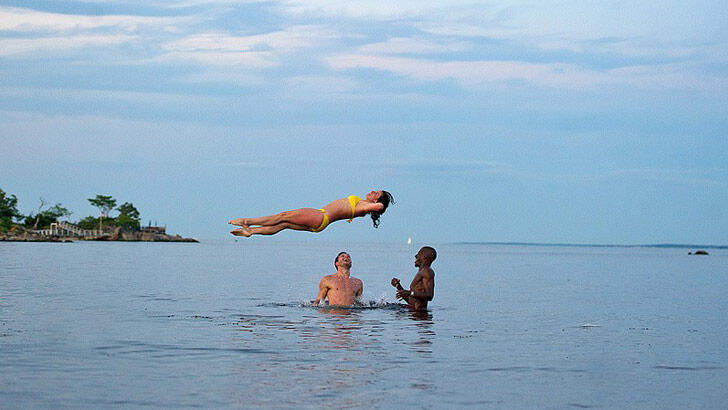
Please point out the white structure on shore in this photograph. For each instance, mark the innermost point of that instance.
(66, 229)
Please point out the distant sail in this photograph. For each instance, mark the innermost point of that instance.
(409, 241)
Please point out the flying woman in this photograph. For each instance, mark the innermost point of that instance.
(316, 220)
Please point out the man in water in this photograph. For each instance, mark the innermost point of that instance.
(340, 288)
(422, 288)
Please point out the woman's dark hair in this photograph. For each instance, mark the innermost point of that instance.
(385, 199)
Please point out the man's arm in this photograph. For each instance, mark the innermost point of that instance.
(428, 283)
(427, 279)
(360, 290)
(402, 293)
(323, 290)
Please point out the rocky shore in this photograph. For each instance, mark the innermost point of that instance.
(20, 234)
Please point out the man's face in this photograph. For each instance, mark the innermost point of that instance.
(344, 260)
(420, 258)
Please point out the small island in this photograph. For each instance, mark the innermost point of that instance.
(45, 225)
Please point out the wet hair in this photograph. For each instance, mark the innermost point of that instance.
(385, 199)
(336, 259)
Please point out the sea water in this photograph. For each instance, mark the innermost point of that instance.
(229, 325)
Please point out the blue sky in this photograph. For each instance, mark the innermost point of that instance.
(533, 121)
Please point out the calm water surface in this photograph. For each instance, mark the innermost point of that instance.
(228, 325)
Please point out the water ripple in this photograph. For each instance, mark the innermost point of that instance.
(132, 347)
(689, 368)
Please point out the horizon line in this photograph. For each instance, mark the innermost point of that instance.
(520, 243)
(655, 245)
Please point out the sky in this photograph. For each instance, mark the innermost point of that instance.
(590, 122)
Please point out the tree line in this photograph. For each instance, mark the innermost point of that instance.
(45, 215)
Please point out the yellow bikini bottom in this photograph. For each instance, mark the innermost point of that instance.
(324, 223)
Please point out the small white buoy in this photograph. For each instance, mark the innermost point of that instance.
(409, 240)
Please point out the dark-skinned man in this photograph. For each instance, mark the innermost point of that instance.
(422, 288)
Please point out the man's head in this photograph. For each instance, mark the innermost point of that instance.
(342, 259)
(425, 256)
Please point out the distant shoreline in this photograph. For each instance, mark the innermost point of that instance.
(117, 235)
(663, 245)
(72, 240)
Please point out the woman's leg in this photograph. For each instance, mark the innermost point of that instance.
(268, 230)
(262, 221)
(303, 216)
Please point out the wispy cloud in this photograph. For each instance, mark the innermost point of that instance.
(240, 58)
(27, 33)
(322, 84)
(16, 46)
(246, 165)
(254, 51)
(404, 45)
(420, 166)
(372, 9)
(683, 176)
(561, 75)
(581, 28)
(448, 167)
(195, 3)
(638, 176)
(92, 96)
(471, 72)
(27, 20)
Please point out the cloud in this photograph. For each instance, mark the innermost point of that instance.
(367, 9)
(403, 45)
(195, 3)
(291, 39)
(228, 75)
(255, 51)
(459, 163)
(27, 20)
(562, 75)
(419, 166)
(28, 31)
(470, 72)
(684, 176)
(95, 97)
(15, 46)
(448, 167)
(249, 59)
(641, 176)
(321, 84)
(247, 165)
(645, 29)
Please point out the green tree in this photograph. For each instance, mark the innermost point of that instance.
(129, 210)
(44, 218)
(105, 204)
(89, 222)
(8, 210)
(128, 216)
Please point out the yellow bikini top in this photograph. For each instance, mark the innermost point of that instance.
(353, 200)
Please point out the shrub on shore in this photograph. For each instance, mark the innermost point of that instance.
(128, 218)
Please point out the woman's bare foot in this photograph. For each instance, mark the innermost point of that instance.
(238, 222)
(242, 231)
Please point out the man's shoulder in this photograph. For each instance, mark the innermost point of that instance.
(327, 278)
(427, 272)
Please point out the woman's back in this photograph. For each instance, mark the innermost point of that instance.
(339, 209)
